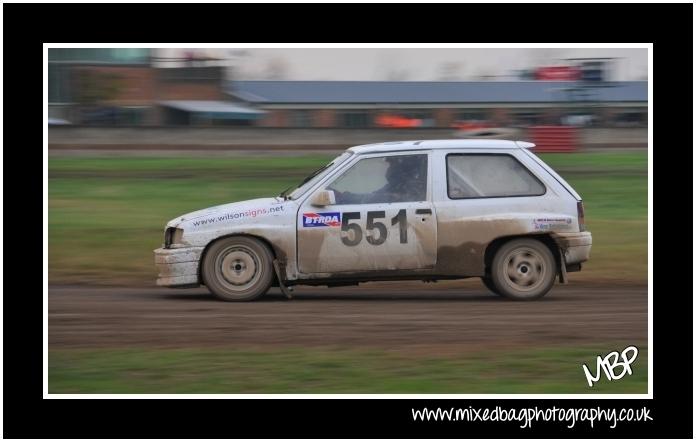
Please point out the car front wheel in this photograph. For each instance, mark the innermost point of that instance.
(523, 269)
(238, 268)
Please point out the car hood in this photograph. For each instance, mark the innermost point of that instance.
(242, 211)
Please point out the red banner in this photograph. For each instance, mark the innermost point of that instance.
(558, 73)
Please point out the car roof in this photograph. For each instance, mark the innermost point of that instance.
(440, 144)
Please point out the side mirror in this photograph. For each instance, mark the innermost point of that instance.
(324, 198)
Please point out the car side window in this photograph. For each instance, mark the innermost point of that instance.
(388, 179)
(489, 176)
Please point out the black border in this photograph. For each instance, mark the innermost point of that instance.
(26, 26)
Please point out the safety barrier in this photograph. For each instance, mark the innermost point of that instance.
(554, 138)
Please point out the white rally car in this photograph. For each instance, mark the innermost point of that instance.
(412, 210)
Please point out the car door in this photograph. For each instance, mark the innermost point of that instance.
(382, 219)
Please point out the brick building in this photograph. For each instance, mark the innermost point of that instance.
(122, 87)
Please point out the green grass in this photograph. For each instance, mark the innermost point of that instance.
(546, 370)
(244, 165)
(106, 214)
(631, 161)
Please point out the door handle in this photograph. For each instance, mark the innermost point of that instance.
(424, 212)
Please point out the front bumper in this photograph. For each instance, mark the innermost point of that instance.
(178, 266)
(574, 246)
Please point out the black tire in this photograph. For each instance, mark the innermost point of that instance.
(523, 269)
(238, 268)
(488, 282)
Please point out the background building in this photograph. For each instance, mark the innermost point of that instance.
(100, 85)
(444, 104)
(134, 87)
(131, 87)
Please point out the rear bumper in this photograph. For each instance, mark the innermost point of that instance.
(178, 267)
(574, 246)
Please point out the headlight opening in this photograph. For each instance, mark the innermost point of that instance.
(172, 236)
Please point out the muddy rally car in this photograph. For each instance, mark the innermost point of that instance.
(413, 210)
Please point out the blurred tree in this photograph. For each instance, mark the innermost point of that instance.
(234, 60)
(449, 71)
(545, 56)
(276, 69)
(485, 74)
(388, 67)
(396, 74)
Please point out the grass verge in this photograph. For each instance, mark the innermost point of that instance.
(546, 370)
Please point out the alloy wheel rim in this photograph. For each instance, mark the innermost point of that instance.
(238, 267)
(524, 269)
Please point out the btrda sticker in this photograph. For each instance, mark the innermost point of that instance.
(326, 219)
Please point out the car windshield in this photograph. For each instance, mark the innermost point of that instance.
(295, 192)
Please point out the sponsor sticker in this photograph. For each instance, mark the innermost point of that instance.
(325, 219)
(552, 223)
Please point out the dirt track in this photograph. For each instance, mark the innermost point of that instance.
(397, 315)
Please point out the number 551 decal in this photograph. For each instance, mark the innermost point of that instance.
(376, 231)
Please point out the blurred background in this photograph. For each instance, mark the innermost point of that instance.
(434, 90)
(138, 136)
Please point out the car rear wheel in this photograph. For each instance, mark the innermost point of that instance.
(238, 268)
(523, 269)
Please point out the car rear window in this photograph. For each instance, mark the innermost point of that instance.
(489, 176)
